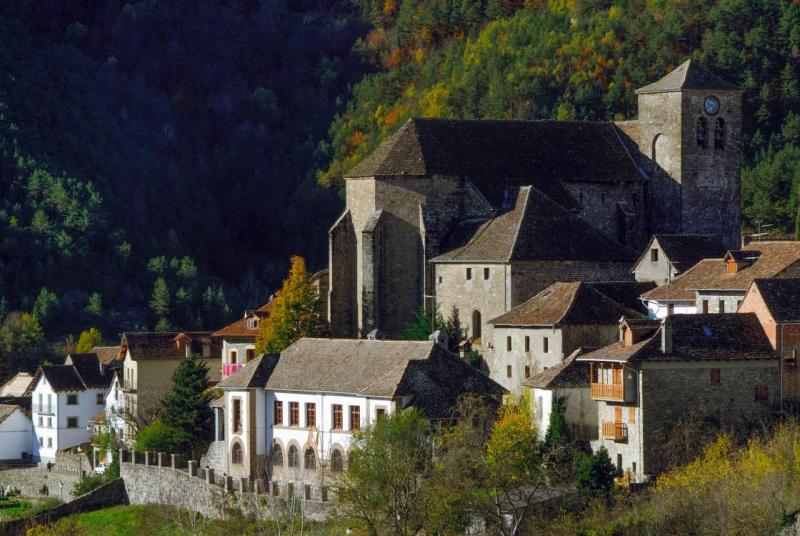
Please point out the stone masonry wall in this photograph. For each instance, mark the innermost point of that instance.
(30, 481)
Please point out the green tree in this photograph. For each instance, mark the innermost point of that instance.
(295, 312)
(159, 437)
(45, 308)
(423, 325)
(186, 408)
(89, 339)
(558, 432)
(95, 306)
(454, 330)
(596, 474)
(160, 299)
(22, 343)
(388, 483)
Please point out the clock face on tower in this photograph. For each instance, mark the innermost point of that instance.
(711, 105)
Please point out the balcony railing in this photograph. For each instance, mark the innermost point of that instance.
(618, 431)
(607, 391)
(43, 409)
(230, 368)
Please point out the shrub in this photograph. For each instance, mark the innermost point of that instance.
(87, 484)
(595, 474)
(44, 491)
(158, 437)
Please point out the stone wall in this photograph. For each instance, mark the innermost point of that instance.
(31, 479)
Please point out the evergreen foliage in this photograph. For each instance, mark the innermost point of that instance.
(595, 475)
(558, 433)
(186, 409)
(158, 437)
(423, 324)
(22, 343)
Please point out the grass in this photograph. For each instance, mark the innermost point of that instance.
(17, 511)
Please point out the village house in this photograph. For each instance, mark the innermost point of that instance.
(567, 384)
(776, 303)
(148, 364)
(668, 255)
(239, 339)
(436, 182)
(290, 418)
(540, 333)
(719, 285)
(715, 369)
(16, 431)
(18, 390)
(66, 397)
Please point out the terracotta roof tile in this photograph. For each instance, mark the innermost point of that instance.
(107, 354)
(163, 345)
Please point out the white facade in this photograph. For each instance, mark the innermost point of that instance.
(15, 436)
(60, 419)
(661, 309)
(115, 410)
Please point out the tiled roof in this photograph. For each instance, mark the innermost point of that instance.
(107, 354)
(769, 260)
(420, 369)
(686, 250)
(782, 297)
(495, 155)
(163, 345)
(239, 328)
(253, 374)
(722, 337)
(687, 75)
(564, 304)
(88, 368)
(19, 386)
(568, 373)
(62, 378)
(6, 410)
(535, 228)
(625, 293)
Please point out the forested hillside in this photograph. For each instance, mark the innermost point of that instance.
(160, 160)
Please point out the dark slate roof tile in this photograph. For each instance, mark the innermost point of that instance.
(782, 297)
(688, 75)
(568, 373)
(254, 374)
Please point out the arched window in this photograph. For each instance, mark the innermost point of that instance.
(310, 459)
(294, 458)
(702, 132)
(236, 453)
(337, 463)
(719, 134)
(476, 324)
(277, 455)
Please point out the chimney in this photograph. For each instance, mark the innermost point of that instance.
(666, 337)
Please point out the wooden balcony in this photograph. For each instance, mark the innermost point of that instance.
(618, 431)
(606, 391)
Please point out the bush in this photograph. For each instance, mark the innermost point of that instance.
(44, 491)
(158, 437)
(595, 474)
(88, 483)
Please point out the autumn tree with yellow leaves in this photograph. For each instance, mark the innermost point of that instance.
(295, 314)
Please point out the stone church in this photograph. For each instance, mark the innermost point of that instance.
(502, 209)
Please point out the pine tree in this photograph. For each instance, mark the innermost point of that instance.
(159, 301)
(95, 305)
(295, 312)
(186, 408)
(558, 430)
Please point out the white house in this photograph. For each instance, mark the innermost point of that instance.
(66, 397)
(239, 340)
(291, 418)
(669, 255)
(15, 433)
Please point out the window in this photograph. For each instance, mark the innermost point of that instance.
(100, 399)
(337, 462)
(440, 280)
(294, 458)
(380, 413)
(631, 415)
(41, 441)
(654, 255)
(252, 322)
(702, 133)
(307, 489)
(476, 325)
(72, 422)
(277, 455)
(715, 375)
(670, 309)
(355, 417)
(311, 415)
(469, 274)
(72, 400)
(49, 422)
(545, 345)
(49, 442)
(508, 371)
(250, 354)
(41, 422)
(337, 417)
(277, 412)
(276, 490)
(527, 371)
(290, 490)
(721, 306)
(310, 459)
(485, 274)
(323, 493)
(236, 453)
(508, 343)
(633, 468)
(762, 392)
(294, 413)
(527, 343)
(41, 405)
(233, 356)
(705, 306)
(719, 134)
(237, 416)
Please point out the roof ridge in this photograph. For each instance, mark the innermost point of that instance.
(524, 215)
(578, 285)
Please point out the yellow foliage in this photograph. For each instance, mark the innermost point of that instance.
(433, 103)
(389, 7)
(419, 55)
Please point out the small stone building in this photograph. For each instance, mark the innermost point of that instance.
(706, 370)
(667, 256)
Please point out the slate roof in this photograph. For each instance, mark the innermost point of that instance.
(62, 378)
(106, 354)
(19, 386)
(495, 155)
(686, 250)
(700, 337)
(770, 259)
(782, 297)
(6, 410)
(568, 373)
(420, 369)
(559, 304)
(535, 228)
(254, 374)
(625, 293)
(88, 368)
(162, 345)
(688, 75)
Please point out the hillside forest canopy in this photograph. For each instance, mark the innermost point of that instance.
(161, 160)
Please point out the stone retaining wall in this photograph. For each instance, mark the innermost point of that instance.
(29, 481)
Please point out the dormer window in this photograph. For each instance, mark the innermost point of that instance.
(252, 322)
(702, 133)
(719, 134)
